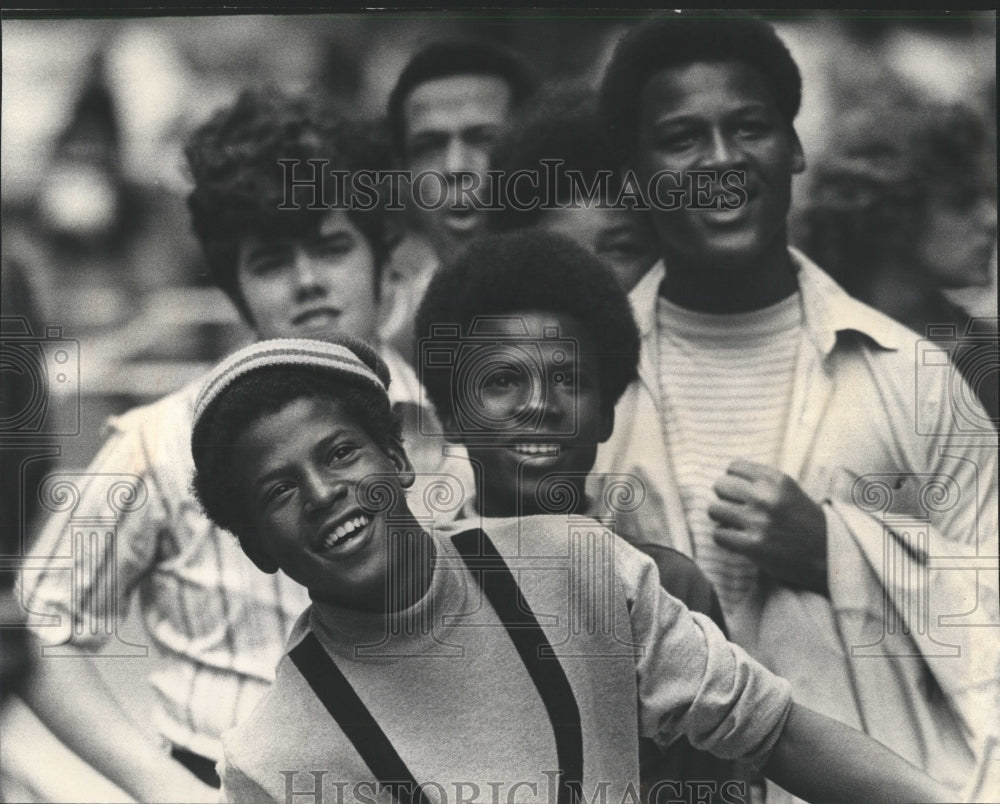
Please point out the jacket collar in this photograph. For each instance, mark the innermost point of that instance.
(643, 298)
(827, 308)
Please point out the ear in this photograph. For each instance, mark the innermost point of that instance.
(607, 423)
(258, 555)
(401, 462)
(798, 155)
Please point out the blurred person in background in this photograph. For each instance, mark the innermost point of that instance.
(290, 273)
(84, 212)
(96, 239)
(902, 208)
(451, 103)
(563, 125)
(781, 426)
(22, 464)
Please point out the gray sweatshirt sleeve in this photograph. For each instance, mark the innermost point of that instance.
(692, 681)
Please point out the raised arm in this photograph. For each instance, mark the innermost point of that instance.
(693, 682)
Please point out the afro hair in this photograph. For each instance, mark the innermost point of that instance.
(239, 183)
(538, 271)
(688, 38)
(561, 125)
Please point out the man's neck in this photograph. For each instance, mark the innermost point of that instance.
(514, 507)
(738, 287)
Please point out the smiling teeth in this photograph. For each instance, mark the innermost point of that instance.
(341, 532)
(537, 449)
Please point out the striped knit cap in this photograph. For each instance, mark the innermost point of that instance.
(338, 354)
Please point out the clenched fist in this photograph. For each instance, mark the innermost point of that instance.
(765, 515)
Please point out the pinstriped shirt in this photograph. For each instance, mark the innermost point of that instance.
(129, 528)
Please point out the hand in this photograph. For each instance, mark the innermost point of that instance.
(765, 515)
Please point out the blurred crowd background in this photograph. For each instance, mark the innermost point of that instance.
(94, 114)
(95, 235)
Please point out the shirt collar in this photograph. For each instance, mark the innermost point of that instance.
(827, 308)
(404, 387)
(643, 298)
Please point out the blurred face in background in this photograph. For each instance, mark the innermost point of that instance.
(624, 239)
(451, 126)
(304, 286)
(958, 238)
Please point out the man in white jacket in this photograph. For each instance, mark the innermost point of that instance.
(830, 472)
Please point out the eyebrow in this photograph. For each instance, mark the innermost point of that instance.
(328, 237)
(681, 118)
(266, 250)
(478, 128)
(434, 132)
(619, 229)
(285, 469)
(427, 134)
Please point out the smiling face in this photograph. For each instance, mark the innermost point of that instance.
(302, 469)
(452, 124)
(562, 400)
(718, 116)
(302, 286)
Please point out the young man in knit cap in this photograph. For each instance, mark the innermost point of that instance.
(793, 441)
(448, 663)
(290, 273)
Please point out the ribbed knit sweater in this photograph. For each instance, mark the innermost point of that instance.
(445, 683)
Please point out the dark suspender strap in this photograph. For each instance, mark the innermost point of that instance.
(500, 587)
(353, 717)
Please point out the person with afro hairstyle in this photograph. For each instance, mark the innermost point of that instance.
(772, 410)
(450, 104)
(290, 272)
(421, 667)
(904, 209)
(564, 125)
(539, 292)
